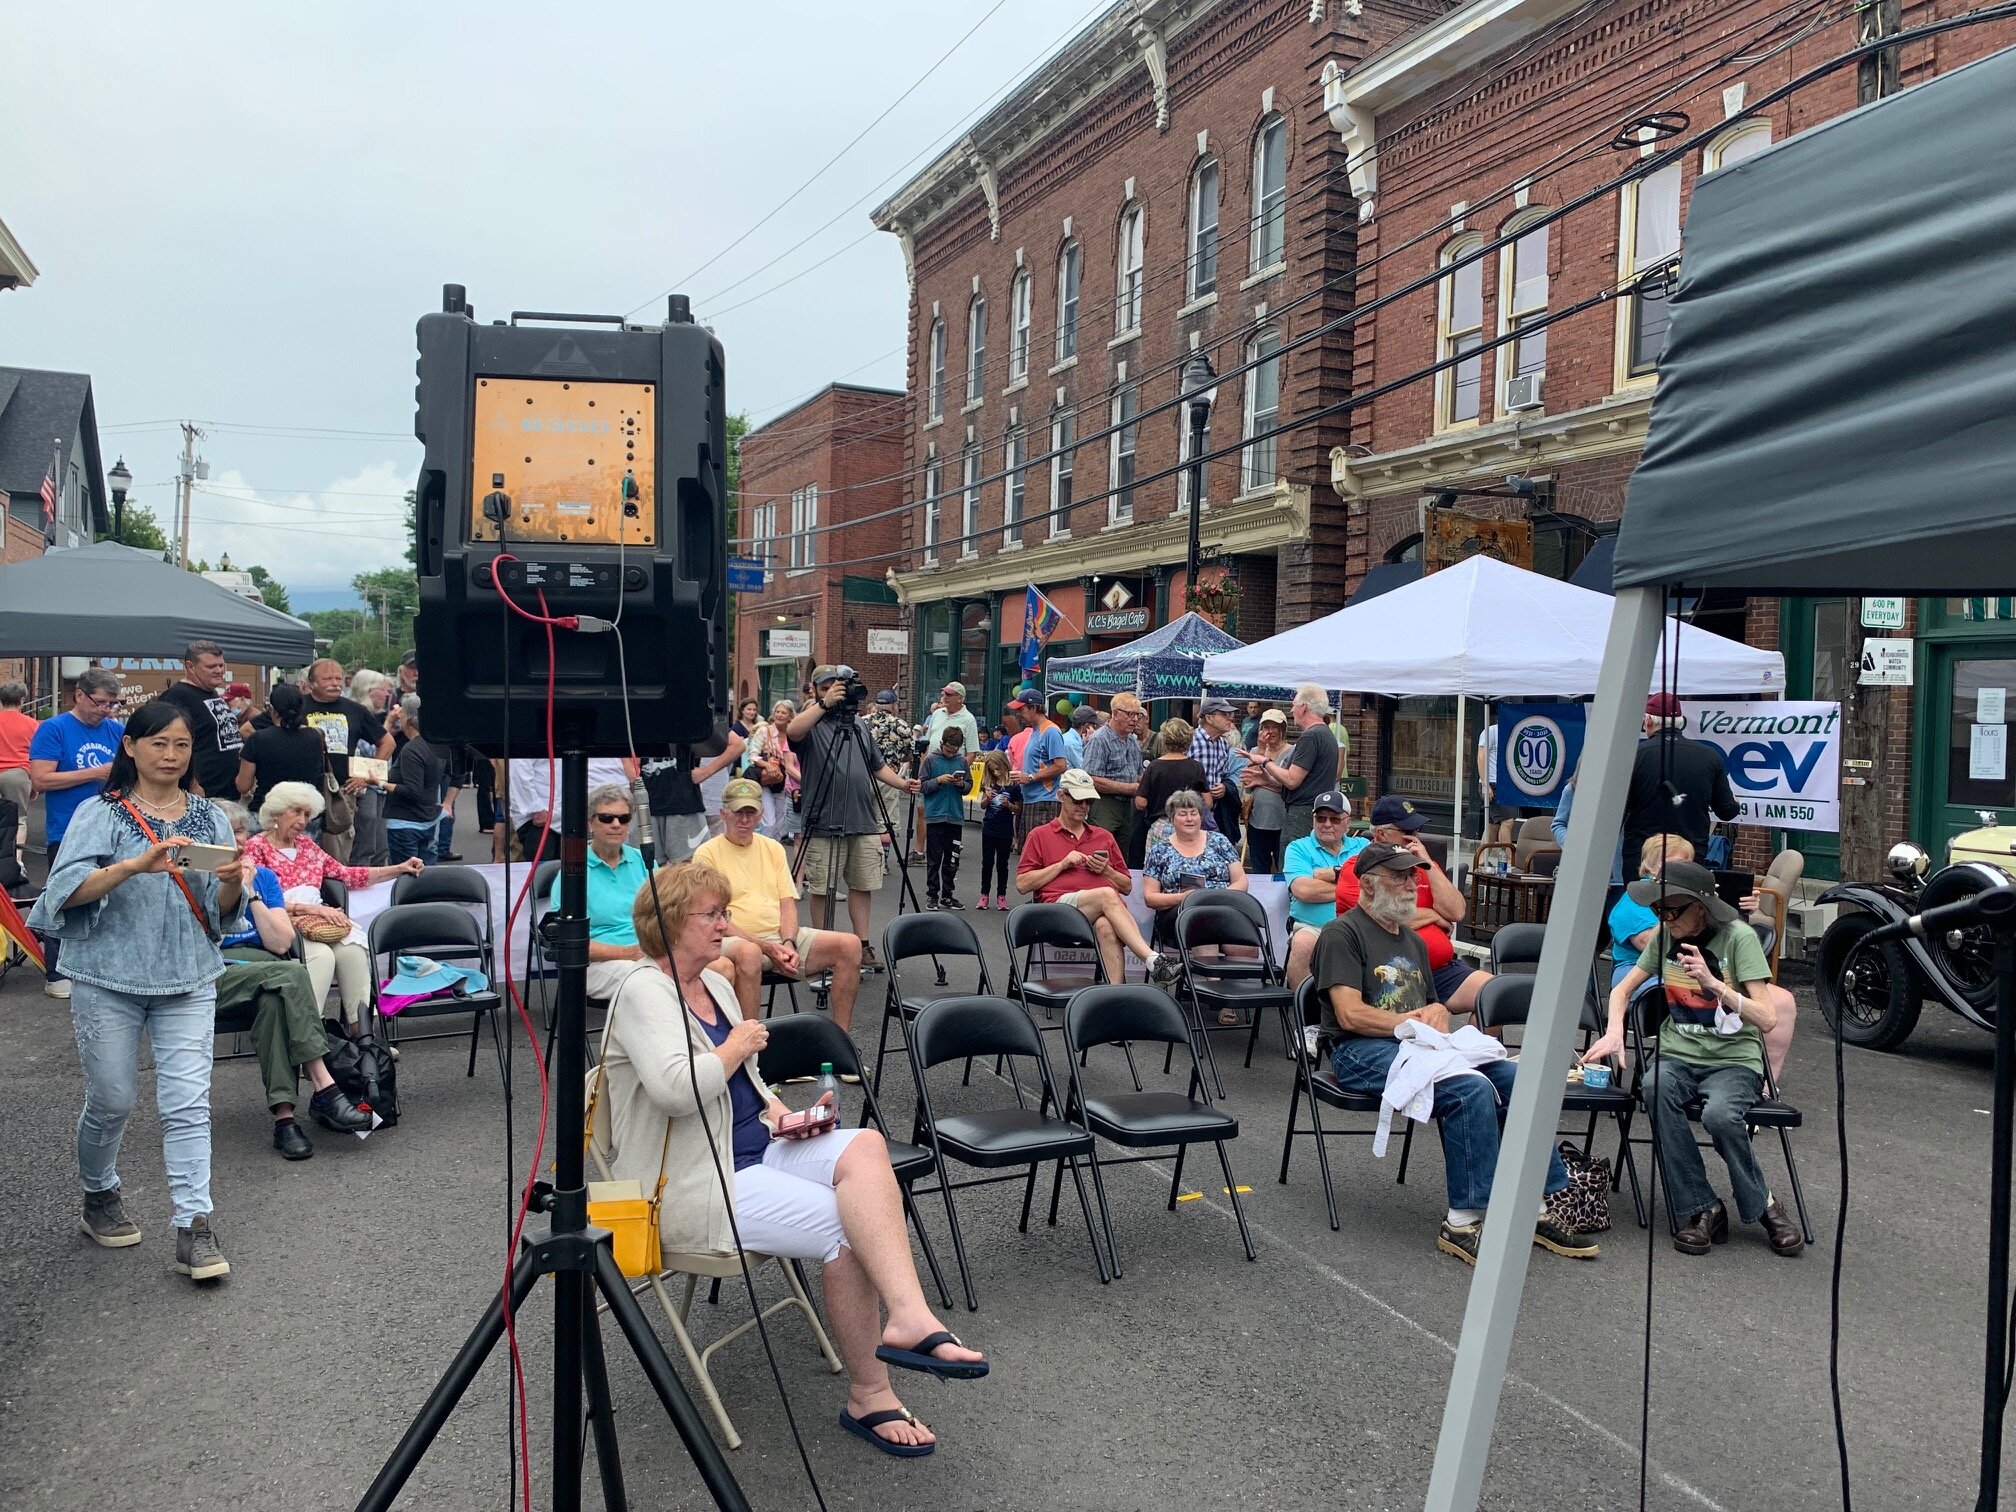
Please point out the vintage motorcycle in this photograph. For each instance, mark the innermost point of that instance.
(1876, 990)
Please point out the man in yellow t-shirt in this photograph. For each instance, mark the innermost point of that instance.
(763, 911)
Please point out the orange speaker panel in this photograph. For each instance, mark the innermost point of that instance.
(562, 447)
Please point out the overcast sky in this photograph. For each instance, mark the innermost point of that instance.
(239, 211)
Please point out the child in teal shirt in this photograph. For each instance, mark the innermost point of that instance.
(944, 779)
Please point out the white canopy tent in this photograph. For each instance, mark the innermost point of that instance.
(1484, 629)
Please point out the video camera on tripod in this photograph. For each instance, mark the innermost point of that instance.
(853, 697)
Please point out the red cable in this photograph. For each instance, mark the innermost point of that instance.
(564, 621)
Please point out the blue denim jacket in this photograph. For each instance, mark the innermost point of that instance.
(141, 937)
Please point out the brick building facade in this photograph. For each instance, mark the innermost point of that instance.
(1468, 129)
(1169, 182)
(821, 488)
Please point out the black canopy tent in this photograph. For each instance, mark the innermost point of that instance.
(1834, 415)
(111, 600)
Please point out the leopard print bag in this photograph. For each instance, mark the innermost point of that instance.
(1584, 1205)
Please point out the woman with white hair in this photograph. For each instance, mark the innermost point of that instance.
(284, 846)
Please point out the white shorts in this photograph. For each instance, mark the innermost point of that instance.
(785, 1206)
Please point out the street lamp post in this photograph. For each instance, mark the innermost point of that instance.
(121, 480)
(1200, 392)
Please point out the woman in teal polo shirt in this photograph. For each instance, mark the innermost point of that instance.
(616, 872)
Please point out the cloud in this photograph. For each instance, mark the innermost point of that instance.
(318, 539)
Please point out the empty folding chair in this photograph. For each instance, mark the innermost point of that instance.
(1144, 1120)
(800, 1043)
(908, 938)
(440, 932)
(449, 884)
(1516, 948)
(969, 1028)
(1249, 984)
(1315, 1081)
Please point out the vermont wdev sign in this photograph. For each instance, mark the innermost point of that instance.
(1783, 759)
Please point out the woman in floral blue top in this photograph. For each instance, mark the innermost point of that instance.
(1190, 858)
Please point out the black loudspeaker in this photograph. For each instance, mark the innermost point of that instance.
(591, 455)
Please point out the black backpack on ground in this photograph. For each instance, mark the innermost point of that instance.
(363, 1067)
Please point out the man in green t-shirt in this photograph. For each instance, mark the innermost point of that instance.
(1717, 1008)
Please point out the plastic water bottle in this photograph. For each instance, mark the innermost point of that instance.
(828, 1083)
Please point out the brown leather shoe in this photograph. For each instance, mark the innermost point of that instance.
(1709, 1226)
(1781, 1231)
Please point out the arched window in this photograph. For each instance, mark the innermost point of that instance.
(1270, 193)
(1128, 284)
(1067, 301)
(1126, 430)
(1063, 435)
(936, 367)
(1743, 140)
(1203, 259)
(1263, 413)
(1648, 238)
(1018, 328)
(934, 485)
(1522, 299)
(969, 512)
(1014, 453)
(976, 348)
(1459, 390)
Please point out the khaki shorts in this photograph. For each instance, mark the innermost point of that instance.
(858, 857)
(802, 944)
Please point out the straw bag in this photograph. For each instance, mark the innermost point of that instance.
(324, 931)
(621, 1206)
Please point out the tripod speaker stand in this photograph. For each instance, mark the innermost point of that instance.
(575, 1255)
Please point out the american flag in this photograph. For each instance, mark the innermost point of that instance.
(49, 506)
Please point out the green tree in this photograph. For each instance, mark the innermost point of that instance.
(391, 596)
(142, 532)
(272, 591)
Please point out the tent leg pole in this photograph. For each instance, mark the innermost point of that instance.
(1456, 840)
(1492, 1313)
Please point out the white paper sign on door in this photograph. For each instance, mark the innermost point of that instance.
(1991, 706)
(1988, 753)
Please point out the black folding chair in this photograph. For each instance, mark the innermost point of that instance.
(962, 1028)
(800, 1043)
(1144, 1120)
(1507, 1002)
(1033, 930)
(1516, 948)
(1315, 1081)
(440, 932)
(908, 937)
(1227, 919)
(449, 884)
(1648, 1012)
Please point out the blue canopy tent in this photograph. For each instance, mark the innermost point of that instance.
(1165, 663)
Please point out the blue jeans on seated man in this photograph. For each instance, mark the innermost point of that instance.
(1469, 1110)
(402, 843)
(1731, 1092)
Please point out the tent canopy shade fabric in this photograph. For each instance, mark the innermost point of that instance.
(1488, 630)
(1834, 400)
(1164, 663)
(111, 600)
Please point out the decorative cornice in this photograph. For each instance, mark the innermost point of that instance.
(16, 271)
(983, 175)
(1616, 424)
(1257, 522)
(1156, 56)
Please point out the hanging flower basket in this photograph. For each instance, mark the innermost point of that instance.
(1218, 602)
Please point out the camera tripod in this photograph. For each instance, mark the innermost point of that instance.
(577, 1256)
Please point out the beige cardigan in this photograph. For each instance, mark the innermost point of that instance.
(652, 1049)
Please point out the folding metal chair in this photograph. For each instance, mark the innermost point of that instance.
(1144, 1120)
(1228, 919)
(1516, 948)
(441, 932)
(908, 937)
(965, 1028)
(1315, 1081)
(449, 884)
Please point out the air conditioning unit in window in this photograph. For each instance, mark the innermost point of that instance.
(1523, 392)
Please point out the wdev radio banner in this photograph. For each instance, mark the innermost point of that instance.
(1783, 759)
(1539, 746)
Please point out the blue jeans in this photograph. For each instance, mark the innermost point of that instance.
(1730, 1093)
(1469, 1110)
(182, 1030)
(403, 844)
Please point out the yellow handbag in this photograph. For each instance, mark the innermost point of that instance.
(621, 1206)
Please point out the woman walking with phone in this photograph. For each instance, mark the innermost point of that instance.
(149, 881)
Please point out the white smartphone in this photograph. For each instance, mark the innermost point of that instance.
(205, 858)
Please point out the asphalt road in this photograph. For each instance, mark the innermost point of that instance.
(1313, 1378)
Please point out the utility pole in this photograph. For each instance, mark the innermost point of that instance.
(1866, 711)
(185, 491)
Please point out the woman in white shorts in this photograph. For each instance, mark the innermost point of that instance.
(674, 1029)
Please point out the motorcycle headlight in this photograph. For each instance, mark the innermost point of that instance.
(1906, 862)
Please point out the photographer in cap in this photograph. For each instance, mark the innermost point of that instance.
(844, 818)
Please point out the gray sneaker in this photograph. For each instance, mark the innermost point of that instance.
(1161, 970)
(105, 1220)
(197, 1254)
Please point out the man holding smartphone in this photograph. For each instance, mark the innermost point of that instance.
(1070, 860)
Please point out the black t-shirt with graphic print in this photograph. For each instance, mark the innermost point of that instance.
(1389, 968)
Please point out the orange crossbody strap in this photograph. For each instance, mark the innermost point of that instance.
(202, 919)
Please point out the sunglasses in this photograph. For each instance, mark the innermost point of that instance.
(611, 818)
(1670, 909)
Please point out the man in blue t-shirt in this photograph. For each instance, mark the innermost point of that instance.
(69, 758)
(1043, 761)
(1311, 867)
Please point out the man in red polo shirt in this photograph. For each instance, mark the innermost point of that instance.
(1073, 861)
(1437, 904)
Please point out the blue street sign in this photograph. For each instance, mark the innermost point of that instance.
(745, 574)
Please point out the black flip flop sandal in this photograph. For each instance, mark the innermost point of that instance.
(864, 1427)
(919, 1357)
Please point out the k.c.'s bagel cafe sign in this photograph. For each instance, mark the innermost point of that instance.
(1783, 759)
(1116, 621)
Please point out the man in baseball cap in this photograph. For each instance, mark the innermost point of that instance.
(1373, 975)
(1719, 1006)
(1211, 748)
(1439, 905)
(1676, 783)
(952, 710)
(763, 928)
(1312, 866)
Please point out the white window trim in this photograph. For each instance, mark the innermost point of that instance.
(934, 482)
(1021, 297)
(1113, 515)
(1622, 378)
(1508, 365)
(1061, 454)
(804, 552)
(969, 504)
(934, 374)
(1445, 299)
(1248, 417)
(1015, 487)
(1190, 247)
(1138, 215)
(1069, 252)
(976, 350)
(1257, 216)
(1714, 154)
